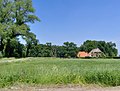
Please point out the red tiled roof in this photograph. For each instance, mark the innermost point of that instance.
(83, 54)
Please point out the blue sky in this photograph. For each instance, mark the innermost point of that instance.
(77, 21)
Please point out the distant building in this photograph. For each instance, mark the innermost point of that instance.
(82, 54)
(93, 53)
(96, 53)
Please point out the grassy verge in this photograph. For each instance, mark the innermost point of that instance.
(47, 71)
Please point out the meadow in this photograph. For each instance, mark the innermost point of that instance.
(56, 71)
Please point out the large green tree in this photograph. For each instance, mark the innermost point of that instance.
(70, 49)
(67, 50)
(14, 18)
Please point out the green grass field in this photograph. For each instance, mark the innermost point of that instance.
(52, 71)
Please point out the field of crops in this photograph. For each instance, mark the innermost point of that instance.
(47, 71)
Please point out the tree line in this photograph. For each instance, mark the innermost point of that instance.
(70, 49)
(67, 50)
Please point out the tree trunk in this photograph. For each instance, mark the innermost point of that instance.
(1, 45)
(7, 49)
(27, 51)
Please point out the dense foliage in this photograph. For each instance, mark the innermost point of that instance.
(68, 50)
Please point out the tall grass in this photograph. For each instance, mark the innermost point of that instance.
(47, 71)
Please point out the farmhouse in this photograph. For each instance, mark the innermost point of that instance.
(96, 53)
(93, 53)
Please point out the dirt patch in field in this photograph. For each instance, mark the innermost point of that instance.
(61, 88)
